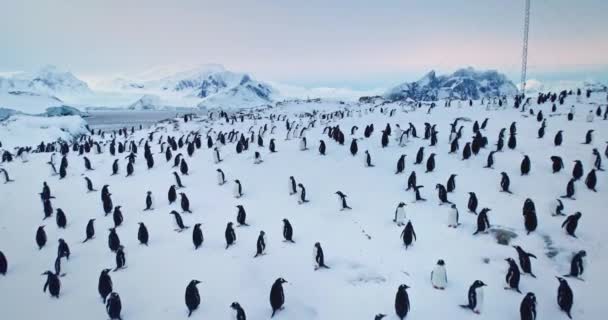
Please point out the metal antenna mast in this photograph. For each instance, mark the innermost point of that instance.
(524, 55)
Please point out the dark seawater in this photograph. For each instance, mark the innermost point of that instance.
(119, 119)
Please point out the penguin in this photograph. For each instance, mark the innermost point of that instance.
(430, 163)
(569, 190)
(419, 156)
(240, 313)
(589, 137)
(48, 208)
(442, 194)
(565, 296)
(117, 216)
(63, 250)
(475, 297)
(178, 180)
(120, 259)
(60, 218)
(597, 163)
(271, 146)
(277, 296)
(451, 185)
(353, 147)
(402, 302)
(512, 143)
(46, 192)
(577, 266)
(513, 276)
(322, 147)
(591, 180)
(113, 240)
(472, 203)
(557, 141)
(216, 155)
(302, 195)
(439, 278)
(172, 194)
(411, 181)
(193, 298)
(524, 260)
(505, 182)
(149, 201)
(107, 204)
(3, 264)
(142, 234)
(303, 144)
(292, 186)
(104, 286)
(527, 308)
(417, 193)
(408, 234)
(40, 237)
(384, 139)
(130, 168)
(483, 223)
(87, 163)
(7, 179)
(89, 185)
(559, 209)
(237, 190)
(400, 214)
(368, 159)
(257, 158)
(185, 203)
(58, 267)
(571, 223)
(453, 217)
(229, 235)
(178, 221)
(261, 245)
(558, 164)
(466, 151)
(577, 171)
(287, 231)
(221, 178)
(241, 216)
(343, 205)
(400, 164)
(525, 166)
(90, 230)
(114, 306)
(529, 213)
(52, 283)
(115, 167)
(183, 167)
(319, 257)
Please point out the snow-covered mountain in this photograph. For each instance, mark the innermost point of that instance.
(465, 83)
(47, 80)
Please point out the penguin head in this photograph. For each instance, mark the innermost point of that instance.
(235, 305)
(531, 297)
(140, 223)
(379, 316)
(194, 282)
(510, 260)
(173, 212)
(317, 244)
(561, 280)
(237, 181)
(149, 192)
(403, 287)
(440, 262)
(578, 214)
(262, 233)
(582, 253)
(61, 240)
(503, 173)
(281, 280)
(229, 224)
(479, 283)
(46, 273)
(285, 221)
(105, 271)
(453, 206)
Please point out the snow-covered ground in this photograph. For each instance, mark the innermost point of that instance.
(362, 246)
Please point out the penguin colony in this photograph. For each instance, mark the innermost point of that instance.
(186, 150)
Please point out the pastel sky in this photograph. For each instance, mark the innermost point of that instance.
(340, 42)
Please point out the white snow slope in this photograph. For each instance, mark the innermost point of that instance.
(365, 272)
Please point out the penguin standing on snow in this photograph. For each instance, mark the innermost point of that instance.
(442, 194)
(3, 264)
(272, 146)
(197, 236)
(451, 185)
(400, 164)
(277, 296)
(52, 283)
(524, 260)
(319, 257)
(417, 193)
(287, 231)
(569, 190)
(229, 235)
(558, 164)
(343, 205)
(430, 163)
(402, 302)
(193, 299)
(597, 163)
(63, 250)
(490, 160)
(216, 156)
(89, 185)
(353, 147)
(257, 158)
(149, 201)
(527, 309)
(411, 181)
(104, 286)
(565, 296)
(577, 171)
(172, 194)
(292, 186)
(513, 275)
(505, 182)
(591, 180)
(185, 203)
(40, 237)
(302, 195)
(483, 223)
(408, 234)
(178, 221)
(557, 141)
(261, 244)
(302, 144)
(121, 261)
(472, 203)
(475, 297)
(142, 234)
(113, 240)
(400, 214)
(241, 216)
(237, 190)
(559, 208)
(453, 217)
(240, 313)
(178, 181)
(117, 216)
(525, 166)
(114, 306)
(368, 159)
(529, 213)
(439, 277)
(577, 266)
(221, 178)
(322, 147)
(571, 223)
(419, 156)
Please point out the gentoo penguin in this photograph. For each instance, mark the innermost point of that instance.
(318, 257)
(287, 231)
(343, 205)
(114, 306)
(525, 166)
(559, 208)
(451, 185)
(52, 283)
(472, 203)
(411, 181)
(7, 179)
(178, 221)
(527, 309)
(257, 158)
(216, 156)
(142, 234)
(529, 213)
(597, 163)
(571, 223)
(197, 236)
(87, 163)
(172, 194)
(483, 223)
(261, 244)
(417, 193)
(241, 216)
(513, 275)
(430, 163)
(402, 302)
(272, 146)
(565, 296)
(149, 201)
(60, 218)
(569, 190)
(3, 264)
(121, 261)
(591, 180)
(117, 216)
(229, 235)
(577, 265)
(400, 164)
(239, 312)
(466, 151)
(505, 182)
(577, 171)
(557, 141)
(368, 159)
(115, 167)
(524, 260)
(302, 195)
(40, 237)
(512, 142)
(104, 286)
(237, 190)
(303, 144)
(589, 137)
(384, 139)
(47, 208)
(130, 168)
(221, 178)
(442, 194)
(292, 186)
(408, 234)
(453, 217)
(63, 250)
(353, 147)
(46, 192)
(419, 156)
(113, 240)
(475, 297)
(178, 180)
(439, 277)
(193, 299)
(185, 203)
(277, 296)
(90, 230)
(322, 147)
(400, 214)
(89, 185)
(558, 164)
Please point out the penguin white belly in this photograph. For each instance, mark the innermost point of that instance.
(302, 145)
(452, 218)
(235, 190)
(216, 158)
(398, 134)
(439, 277)
(220, 179)
(479, 295)
(400, 219)
(314, 258)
